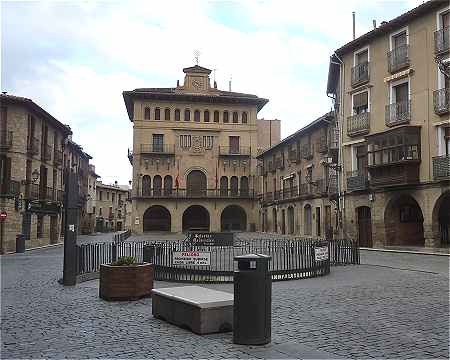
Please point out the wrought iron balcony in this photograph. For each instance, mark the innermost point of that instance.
(196, 193)
(10, 188)
(357, 180)
(6, 139)
(33, 146)
(234, 150)
(305, 189)
(159, 149)
(398, 113)
(360, 73)
(442, 40)
(57, 157)
(398, 58)
(290, 192)
(441, 168)
(441, 101)
(358, 124)
(307, 151)
(47, 193)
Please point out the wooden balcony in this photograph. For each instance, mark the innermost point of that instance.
(360, 74)
(398, 113)
(395, 174)
(33, 146)
(441, 168)
(441, 101)
(357, 180)
(6, 139)
(442, 40)
(358, 124)
(398, 58)
(234, 151)
(158, 149)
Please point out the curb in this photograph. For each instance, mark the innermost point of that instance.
(35, 248)
(405, 251)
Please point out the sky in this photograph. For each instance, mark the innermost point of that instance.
(75, 58)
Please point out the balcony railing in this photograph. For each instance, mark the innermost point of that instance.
(307, 152)
(398, 58)
(31, 191)
(46, 152)
(358, 124)
(442, 40)
(6, 139)
(398, 113)
(360, 73)
(234, 150)
(33, 146)
(57, 157)
(47, 193)
(196, 193)
(158, 149)
(441, 101)
(10, 188)
(305, 189)
(357, 180)
(290, 192)
(441, 168)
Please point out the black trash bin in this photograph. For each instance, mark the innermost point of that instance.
(252, 300)
(20, 243)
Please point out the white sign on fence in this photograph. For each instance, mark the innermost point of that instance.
(191, 258)
(321, 253)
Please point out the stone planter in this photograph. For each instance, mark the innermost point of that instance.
(125, 282)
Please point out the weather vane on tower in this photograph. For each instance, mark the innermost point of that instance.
(196, 55)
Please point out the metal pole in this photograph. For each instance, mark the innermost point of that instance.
(71, 209)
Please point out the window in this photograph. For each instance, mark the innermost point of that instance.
(107, 195)
(185, 141)
(361, 159)
(223, 186)
(307, 220)
(158, 142)
(101, 195)
(206, 116)
(216, 116)
(93, 209)
(196, 116)
(208, 142)
(234, 144)
(235, 117)
(157, 114)
(100, 212)
(362, 57)
(113, 197)
(177, 114)
(187, 115)
(399, 40)
(244, 117)
(225, 116)
(400, 93)
(360, 103)
(39, 226)
(166, 114)
(147, 113)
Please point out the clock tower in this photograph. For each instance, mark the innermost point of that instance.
(196, 79)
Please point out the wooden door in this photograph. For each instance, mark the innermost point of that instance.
(196, 183)
(328, 227)
(364, 226)
(234, 144)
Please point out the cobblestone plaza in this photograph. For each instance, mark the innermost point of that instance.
(391, 306)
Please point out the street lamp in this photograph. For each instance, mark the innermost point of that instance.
(35, 176)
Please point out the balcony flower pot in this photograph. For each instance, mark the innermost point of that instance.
(125, 282)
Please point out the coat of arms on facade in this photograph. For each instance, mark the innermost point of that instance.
(197, 145)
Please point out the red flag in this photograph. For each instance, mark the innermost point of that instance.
(177, 179)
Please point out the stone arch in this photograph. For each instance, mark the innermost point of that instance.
(195, 218)
(157, 185)
(157, 218)
(196, 183)
(146, 185)
(233, 218)
(403, 222)
(168, 184)
(441, 221)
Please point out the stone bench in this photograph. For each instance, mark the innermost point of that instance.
(201, 310)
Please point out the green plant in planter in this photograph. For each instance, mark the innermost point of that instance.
(125, 261)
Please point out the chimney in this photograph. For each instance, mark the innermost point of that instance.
(178, 83)
(374, 24)
(215, 84)
(115, 183)
(354, 33)
(229, 84)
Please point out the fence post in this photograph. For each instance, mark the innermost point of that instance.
(114, 252)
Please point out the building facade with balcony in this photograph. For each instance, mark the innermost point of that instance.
(298, 182)
(111, 207)
(31, 183)
(392, 105)
(194, 156)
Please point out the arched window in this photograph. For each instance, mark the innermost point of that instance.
(244, 117)
(196, 116)
(244, 186)
(196, 183)
(157, 185)
(225, 116)
(147, 113)
(206, 116)
(177, 114)
(235, 117)
(275, 222)
(216, 116)
(187, 115)
(168, 185)
(157, 114)
(234, 183)
(223, 186)
(167, 114)
(146, 185)
(307, 219)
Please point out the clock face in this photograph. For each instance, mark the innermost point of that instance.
(196, 84)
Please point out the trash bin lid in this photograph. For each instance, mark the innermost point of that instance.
(252, 257)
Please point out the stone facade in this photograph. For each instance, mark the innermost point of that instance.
(269, 133)
(392, 105)
(111, 207)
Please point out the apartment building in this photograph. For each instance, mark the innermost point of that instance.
(194, 156)
(32, 143)
(298, 182)
(110, 208)
(392, 106)
(91, 201)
